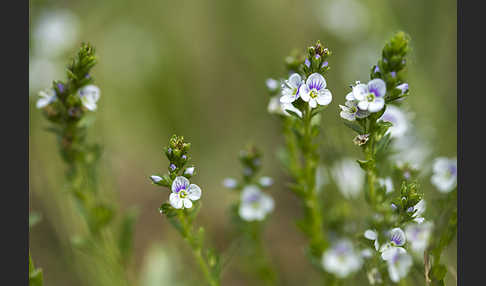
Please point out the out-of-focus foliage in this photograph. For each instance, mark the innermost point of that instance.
(198, 68)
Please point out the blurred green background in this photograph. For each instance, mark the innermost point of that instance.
(198, 69)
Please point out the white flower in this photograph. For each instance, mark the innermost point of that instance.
(418, 236)
(89, 95)
(372, 235)
(265, 181)
(271, 84)
(290, 88)
(230, 183)
(254, 204)
(396, 240)
(183, 193)
(46, 98)
(445, 174)
(276, 107)
(399, 263)
(314, 91)
(350, 111)
(341, 259)
(398, 118)
(155, 179)
(386, 183)
(419, 209)
(371, 97)
(189, 171)
(349, 177)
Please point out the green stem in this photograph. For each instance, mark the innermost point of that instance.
(197, 251)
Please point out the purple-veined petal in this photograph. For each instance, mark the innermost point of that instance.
(316, 81)
(179, 183)
(377, 86)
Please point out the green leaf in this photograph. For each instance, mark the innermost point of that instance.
(293, 114)
(365, 165)
(355, 126)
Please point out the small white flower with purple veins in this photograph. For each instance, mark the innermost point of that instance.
(350, 111)
(386, 183)
(399, 120)
(418, 236)
(445, 174)
(342, 259)
(230, 183)
(276, 107)
(371, 97)
(396, 239)
(265, 181)
(290, 88)
(183, 193)
(254, 205)
(314, 91)
(89, 95)
(46, 97)
(399, 263)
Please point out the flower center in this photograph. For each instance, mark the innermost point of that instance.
(182, 194)
(313, 93)
(370, 97)
(353, 109)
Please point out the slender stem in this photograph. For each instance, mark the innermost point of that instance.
(197, 251)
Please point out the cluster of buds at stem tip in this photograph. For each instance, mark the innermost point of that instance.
(316, 59)
(68, 101)
(177, 179)
(177, 154)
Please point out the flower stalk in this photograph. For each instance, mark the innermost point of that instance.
(184, 205)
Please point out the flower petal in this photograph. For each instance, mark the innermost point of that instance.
(360, 91)
(378, 87)
(313, 103)
(295, 80)
(317, 81)
(187, 203)
(179, 183)
(324, 97)
(397, 236)
(194, 192)
(376, 105)
(348, 116)
(363, 105)
(370, 234)
(350, 96)
(175, 201)
(304, 92)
